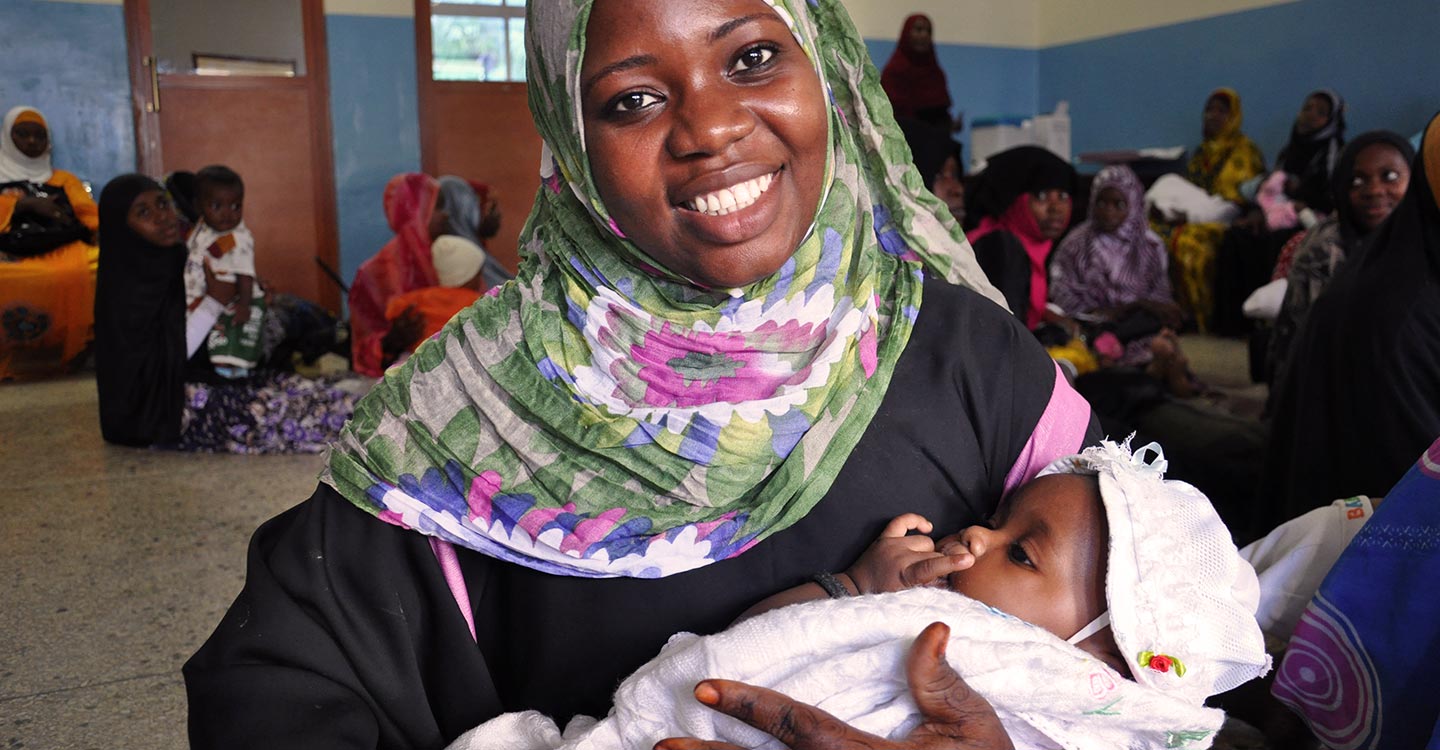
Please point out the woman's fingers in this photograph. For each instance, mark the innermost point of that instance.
(949, 708)
(797, 725)
(905, 523)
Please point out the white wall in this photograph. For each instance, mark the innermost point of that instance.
(988, 23)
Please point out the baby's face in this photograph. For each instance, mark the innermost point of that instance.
(222, 206)
(1043, 557)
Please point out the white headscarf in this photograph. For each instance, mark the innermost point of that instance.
(15, 166)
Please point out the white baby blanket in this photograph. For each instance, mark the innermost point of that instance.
(847, 656)
(1174, 195)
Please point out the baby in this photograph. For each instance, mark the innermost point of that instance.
(222, 240)
(1100, 608)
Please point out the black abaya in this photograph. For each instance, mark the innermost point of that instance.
(139, 325)
(1361, 397)
(346, 636)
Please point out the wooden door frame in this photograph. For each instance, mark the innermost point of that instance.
(316, 83)
(426, 86)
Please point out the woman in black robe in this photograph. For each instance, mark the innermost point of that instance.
(140, 315)
(1362, 393)
(353, 631)
(154, 378)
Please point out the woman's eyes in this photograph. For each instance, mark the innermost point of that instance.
(1016, 553)
(1388, 176)
(754, 57)
(633, 101)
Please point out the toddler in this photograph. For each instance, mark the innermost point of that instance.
(221, 239)
(1099, 609)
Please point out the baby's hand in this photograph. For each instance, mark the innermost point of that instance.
(896, 562)
(242, 313)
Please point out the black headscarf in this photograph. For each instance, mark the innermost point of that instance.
(139, 325)
(1013, 173)
(1362, 394)
(1313, 157)
(1352, 231)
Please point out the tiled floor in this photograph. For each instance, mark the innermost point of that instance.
(116, 563)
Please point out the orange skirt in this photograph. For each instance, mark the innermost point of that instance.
(47, 311)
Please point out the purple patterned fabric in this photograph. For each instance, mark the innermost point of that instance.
(1094, 270)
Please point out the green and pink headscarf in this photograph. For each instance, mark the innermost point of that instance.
(601, 415)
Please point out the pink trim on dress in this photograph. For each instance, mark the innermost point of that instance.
(1059, 433)
(450, 567)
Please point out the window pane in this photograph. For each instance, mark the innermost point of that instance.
(517, 48)
(468, 48)
(222, 37)
(472, 2)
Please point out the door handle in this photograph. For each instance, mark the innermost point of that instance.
(152, 65)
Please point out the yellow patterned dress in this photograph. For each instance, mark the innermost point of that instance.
(1220, 166)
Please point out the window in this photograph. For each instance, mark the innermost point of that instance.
(477, 40)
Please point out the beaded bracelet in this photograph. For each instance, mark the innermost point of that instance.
(832, 585)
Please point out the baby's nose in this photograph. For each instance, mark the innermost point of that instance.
(977, 539)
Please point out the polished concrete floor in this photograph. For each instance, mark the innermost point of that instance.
(116, 563)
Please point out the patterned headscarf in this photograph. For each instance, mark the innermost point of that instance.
(1095, 270)
(1207, 167)
(601, 416)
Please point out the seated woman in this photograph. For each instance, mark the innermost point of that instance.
(1022, 202)
(47, 254)
(1224, 161)
(1370, 181)
(1295, 196)
(150, 395)
(1112, 274)
(1309, 158)
(417, 215)
(937, 158)
(474, 214)
(418, 315)
(1357, 400)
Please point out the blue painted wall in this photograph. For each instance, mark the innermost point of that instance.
(68, 61)
(1147, 88)
(375, 119)
(984, 81)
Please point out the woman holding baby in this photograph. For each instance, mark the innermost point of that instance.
(742, 340)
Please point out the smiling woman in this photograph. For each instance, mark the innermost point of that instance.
(734, 110)
(740, 340)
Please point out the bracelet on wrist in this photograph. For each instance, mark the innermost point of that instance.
(832, 585)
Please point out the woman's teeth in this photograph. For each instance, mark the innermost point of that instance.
(733, 198)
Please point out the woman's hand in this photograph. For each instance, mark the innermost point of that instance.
(404, 334)
(220, 291)
(953, 717)
(898, 560)
(1169, 313)
(43, 208)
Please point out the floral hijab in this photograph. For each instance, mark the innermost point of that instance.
(600, 415)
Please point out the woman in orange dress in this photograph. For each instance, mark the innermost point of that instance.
(47, 294)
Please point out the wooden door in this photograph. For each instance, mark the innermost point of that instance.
(203, 95)
(481, 131)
